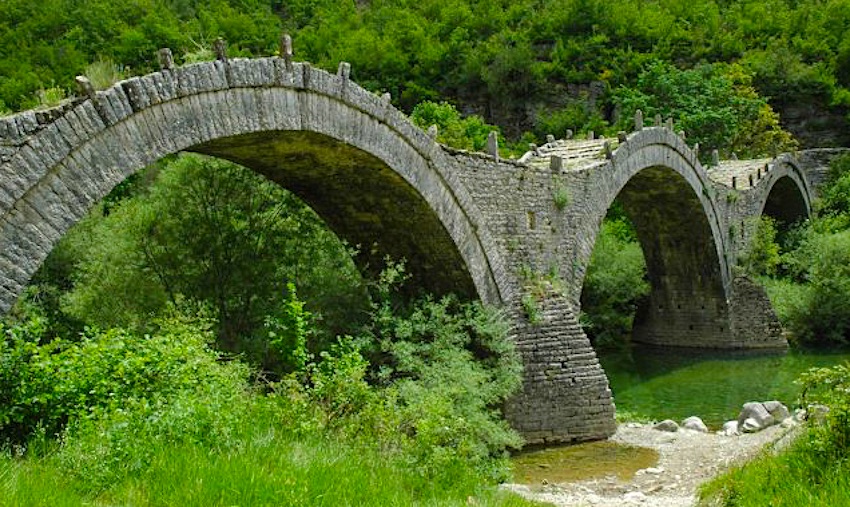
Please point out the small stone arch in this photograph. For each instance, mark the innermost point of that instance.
(787, 193)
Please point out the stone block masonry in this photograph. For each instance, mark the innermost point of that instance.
(516, 234)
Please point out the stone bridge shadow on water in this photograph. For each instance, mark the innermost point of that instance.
(468, 223)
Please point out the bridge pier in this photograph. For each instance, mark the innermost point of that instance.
(688, 318)
(565, 395)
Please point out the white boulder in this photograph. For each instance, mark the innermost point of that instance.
(695, 423)
(730, 429)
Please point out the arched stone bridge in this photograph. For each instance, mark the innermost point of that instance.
(498, 230)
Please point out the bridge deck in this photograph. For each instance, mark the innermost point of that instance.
(575, 153)
(743, 171)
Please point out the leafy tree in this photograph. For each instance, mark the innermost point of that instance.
(835, 195)
(469, 133)
(762, 255)
(614, 283)
(211, 231)
(714, 105)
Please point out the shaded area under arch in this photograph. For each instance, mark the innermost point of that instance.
(360, 198)
(687, 302)
(785, 203)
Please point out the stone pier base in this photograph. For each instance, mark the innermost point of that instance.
(565, 395)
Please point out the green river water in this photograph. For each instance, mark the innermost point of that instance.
(656, 384)
(674, 384)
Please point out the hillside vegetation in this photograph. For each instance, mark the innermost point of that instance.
(537, 66)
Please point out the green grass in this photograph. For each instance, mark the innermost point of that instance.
(800, 476)
(268, 469)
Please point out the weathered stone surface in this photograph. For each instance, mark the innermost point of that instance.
(667, 425)
(750, 425)
(777, 409)
(756, 416)
(468, 223)
(695, 423)
(730, 429)
(564, 384)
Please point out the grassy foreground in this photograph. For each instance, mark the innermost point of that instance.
(792, 479)
(797, 477)
(165, 419)
(268, 469)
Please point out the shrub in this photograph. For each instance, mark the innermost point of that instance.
(813, 299)
(560, 194)
(47, 386)
(451, 366)
(614, 284)
(762, 255)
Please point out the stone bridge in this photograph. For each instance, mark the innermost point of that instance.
(512, 233)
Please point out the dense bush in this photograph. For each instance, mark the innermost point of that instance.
(614, 284)
(47, 386)
(452, 367)
(823, 314)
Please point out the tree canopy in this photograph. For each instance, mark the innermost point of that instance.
(527, 65)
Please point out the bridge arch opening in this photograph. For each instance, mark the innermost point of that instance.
(685, 304)
(786, 204)
(362, 200)
(373, 177)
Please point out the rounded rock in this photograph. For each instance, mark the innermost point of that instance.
(695, 423)
(667, 425)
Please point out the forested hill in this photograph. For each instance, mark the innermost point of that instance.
(534, 66)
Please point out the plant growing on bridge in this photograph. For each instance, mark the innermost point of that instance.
(50, 97)
(560, 194)
(531, 309)
(104, 73)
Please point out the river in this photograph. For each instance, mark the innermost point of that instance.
(655, 384)
(674, 384)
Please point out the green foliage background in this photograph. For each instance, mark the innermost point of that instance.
(537, 66)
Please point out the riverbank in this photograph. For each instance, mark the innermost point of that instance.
(686, 459)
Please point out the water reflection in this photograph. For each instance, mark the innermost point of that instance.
(660, 383)
(579, 462)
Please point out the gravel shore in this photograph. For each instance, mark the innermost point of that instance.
(687, 459)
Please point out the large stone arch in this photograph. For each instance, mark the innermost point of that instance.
(263, 113)
(669, 197)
